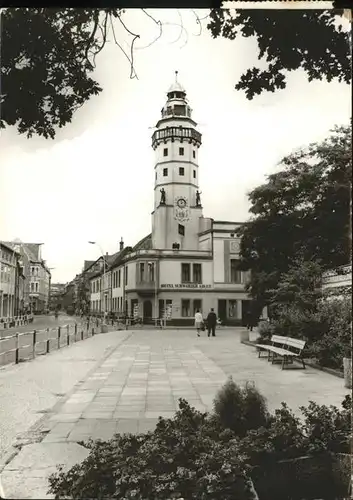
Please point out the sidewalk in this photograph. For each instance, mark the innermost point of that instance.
(122, 381)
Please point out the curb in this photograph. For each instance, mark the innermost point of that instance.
(330, 371)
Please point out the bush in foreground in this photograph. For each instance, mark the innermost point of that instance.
(209, 456)
(182, 458)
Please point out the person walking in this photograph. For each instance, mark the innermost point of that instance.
(211, 323)
(198, 321)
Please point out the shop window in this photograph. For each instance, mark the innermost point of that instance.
(185, 308)
(197, 305)
(165, 152)
(185, 273)
(181, 171)
(197, 273)
(181, 229)
(165, 172)
(232, 309)
(235, 273)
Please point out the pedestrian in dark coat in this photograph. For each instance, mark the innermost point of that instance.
(211, 323)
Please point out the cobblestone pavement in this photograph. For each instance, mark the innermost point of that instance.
(141, 379)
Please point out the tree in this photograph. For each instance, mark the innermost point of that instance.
(46, 72)
(302, 211)
(287, 40)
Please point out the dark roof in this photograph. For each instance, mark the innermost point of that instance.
(87, 264)
(144, 244)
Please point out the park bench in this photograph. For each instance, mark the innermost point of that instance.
(284, 347)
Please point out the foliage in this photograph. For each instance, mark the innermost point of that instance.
(180, 459)
(45, 71)
(240, 409)
(301, 212)
(335, 340)
(265, 330)
(288, 40)
(194, 455)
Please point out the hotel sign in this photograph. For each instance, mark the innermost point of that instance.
(186, 285)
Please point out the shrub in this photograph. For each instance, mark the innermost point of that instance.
(240, 409)
(179, 459)
(265, 330)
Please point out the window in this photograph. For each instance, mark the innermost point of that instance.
(194, 154)
(156, 175)
(151, 271)
(185, 308)
(119, 278)
(185, 273)
(197, 305)
(126, 274)
(232, 309)
(181, 171)
(232, 235)
(142, 271)
(36, 287)
(181, 151)
(197, 273)
(181, 229)
(194, 174)
(235, 274)
(165, 172)
(165, 152)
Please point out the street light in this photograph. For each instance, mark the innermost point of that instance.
(104, 263)
(152, 265)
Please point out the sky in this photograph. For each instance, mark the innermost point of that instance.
(95, 181)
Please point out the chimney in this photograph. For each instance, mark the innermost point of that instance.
(121, 245)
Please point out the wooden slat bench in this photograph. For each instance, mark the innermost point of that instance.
(285, 347)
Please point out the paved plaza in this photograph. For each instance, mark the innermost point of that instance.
(136, 376)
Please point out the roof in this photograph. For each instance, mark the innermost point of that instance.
(88, 263)
(8, 246)
(144, 244)
(27, 249)
(176, 86)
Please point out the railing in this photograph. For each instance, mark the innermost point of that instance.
(44, 341)
(15, 321)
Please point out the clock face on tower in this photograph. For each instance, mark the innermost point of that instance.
(181, 211)
(181, 202)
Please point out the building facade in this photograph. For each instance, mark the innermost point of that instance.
(36, 287)
(8, 281)
(188, 261)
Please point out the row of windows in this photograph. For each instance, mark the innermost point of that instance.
(34, 287)
(181, 152)
(181, 172)
(96, 286)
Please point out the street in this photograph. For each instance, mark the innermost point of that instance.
(40, 324)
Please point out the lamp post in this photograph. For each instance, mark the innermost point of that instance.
(49, 285)
(104, 269)
(152, 265)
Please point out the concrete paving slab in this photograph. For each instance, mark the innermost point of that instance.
(27, 475)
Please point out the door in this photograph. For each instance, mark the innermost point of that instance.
(147, 309)
(222, 309)
(245, 310)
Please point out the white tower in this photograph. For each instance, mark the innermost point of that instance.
(177, 204)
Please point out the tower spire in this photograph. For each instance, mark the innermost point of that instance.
(176, 77)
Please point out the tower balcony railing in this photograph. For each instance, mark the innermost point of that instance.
(180, 133)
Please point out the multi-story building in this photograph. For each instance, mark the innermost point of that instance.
(188, 261)
(337, 283)
(56, 296)
(8, 280)
(37, 274)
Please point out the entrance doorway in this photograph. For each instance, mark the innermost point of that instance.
(245, 309)
(222, 309)
(147, 309)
